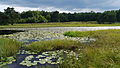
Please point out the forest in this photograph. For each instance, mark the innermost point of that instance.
(10, 16)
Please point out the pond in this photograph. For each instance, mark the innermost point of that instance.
(29, 35)
(6, 32)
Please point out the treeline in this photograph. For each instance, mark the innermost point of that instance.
(10, 16)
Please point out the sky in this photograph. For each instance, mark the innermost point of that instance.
(61, 5)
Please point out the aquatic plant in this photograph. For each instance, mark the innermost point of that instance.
(45, 57)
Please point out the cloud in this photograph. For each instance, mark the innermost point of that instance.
(17, 8)
(62, 5)
(48, 8)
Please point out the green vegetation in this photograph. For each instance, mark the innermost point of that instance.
(10, 16)
(8, 47)
(67, 24)
(52, 45)
(103, 53)
(78, 33)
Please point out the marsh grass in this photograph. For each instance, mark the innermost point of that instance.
(8, 47)
(63, 24)
(103, 53)
(91, 57)
(53, 45)
(78, 33)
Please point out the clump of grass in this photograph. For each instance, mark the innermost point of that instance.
(103, 53)
(8, 47)
(91, 57)
(52, 45)
(78, 33)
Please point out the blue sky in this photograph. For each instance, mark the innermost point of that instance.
(61, 5)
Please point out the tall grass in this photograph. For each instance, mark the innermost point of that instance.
(91, 57)
(103, 53)
(52, 45)
(65, 24)
(78, 33)
(8, 47)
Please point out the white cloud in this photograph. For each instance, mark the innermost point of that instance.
(2, 7)
(17, 8)
(46, 8)
(87, 10)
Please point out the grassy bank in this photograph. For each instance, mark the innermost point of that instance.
(8, 47)
(79, 34)
(103, 53)
(65, 24)
(53, 45)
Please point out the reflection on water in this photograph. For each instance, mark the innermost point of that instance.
(6, 32)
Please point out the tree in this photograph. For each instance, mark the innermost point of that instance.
(3, 19)
(55, 16)
(118, 15)
(63, 17)
(29, 14)
(36, 19)
(12, 14)
(107, 17)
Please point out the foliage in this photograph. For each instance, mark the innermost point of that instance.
(107, 17)
(32, 17)
(10, 16)
(3, 19)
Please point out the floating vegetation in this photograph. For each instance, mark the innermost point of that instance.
(8, 60)
(50, 57)
(25, 52)
(37, 35)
